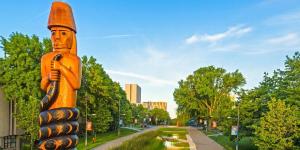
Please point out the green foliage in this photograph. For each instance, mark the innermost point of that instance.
(207, 92)
(282, 84)
(151, 140)
(20, 77)
(291, 80)
(182, 118)
(160, 115)
(139, 112)
(28, 117)
(246, 143)
(20, 69)
(102, 96)
(278, 128)
(102, 138)
(146, 141)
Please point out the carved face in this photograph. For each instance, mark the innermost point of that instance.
(61, 38)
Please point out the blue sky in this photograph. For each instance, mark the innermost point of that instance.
(157, 43)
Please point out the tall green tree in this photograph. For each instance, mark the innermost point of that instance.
(291, 80)
(278, 128)
(207, 92)
(95, 94)
(281, 84)
(20, 76)
(101, 96)
(139, 112)
(159, 116)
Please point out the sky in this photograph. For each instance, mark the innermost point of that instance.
(157, 43)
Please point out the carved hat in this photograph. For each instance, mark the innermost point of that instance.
(61, 15)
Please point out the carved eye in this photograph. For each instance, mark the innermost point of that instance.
(63, 33)
(53, 32)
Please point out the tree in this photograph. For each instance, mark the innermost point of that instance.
(159, 116)
(102, 95)
(28, 116)
(278, 128)
(291, 81)
(20, 77)
(139, 112)
(207, 92)
(95, 89)
(282, 84)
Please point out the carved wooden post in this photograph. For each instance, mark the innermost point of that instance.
(61, 76)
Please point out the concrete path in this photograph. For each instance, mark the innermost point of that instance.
(203, 142)
(119, 141)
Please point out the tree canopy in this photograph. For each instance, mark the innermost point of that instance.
(208, 92)
(278, 128)
(20, 77)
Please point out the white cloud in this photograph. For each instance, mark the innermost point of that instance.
(287, 18)
(235, 31)
(154, 55)
(192, 39)
(154, 80)
(225, 48)
(289, 39)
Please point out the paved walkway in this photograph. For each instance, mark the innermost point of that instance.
(119, 141)
(203, 142)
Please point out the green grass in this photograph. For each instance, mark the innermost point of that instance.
(182, 144)
(103, 138)
(173, 129)
(150, 141)
(246, 143)
(180, 132)
(146, 141)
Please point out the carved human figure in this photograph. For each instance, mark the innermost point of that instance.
(67, 70)
(61, 76)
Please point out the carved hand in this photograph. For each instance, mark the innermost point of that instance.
(55, 65)
(55, 70)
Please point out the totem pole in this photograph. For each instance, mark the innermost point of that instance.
(61, 76)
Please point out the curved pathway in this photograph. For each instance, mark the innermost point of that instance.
(119, 141)
(203, 142)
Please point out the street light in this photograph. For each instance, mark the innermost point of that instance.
(119, 119)
(238, 125)
(95, 133)
(85, 122)
(86, 117)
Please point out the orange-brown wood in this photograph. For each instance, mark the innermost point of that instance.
(68, 69)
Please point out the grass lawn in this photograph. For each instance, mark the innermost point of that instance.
(246, 143)
(180, 132)
(103, 138)
(146, 141)
(153, 140)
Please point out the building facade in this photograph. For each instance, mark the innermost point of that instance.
(9, 134)
(157, 104)
(133, 93)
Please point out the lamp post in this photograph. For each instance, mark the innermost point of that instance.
(238, 125)
(85, 144)
(119, 118)
(86, 121)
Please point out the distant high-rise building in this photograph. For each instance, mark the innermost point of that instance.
(133, 93)
(158, 104)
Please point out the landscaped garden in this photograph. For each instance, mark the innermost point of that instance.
(244, 143)
(103, 138)
(228, 141)
(161, 139)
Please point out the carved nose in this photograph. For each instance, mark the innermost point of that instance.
(56, 36)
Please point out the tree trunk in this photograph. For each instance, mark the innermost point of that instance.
(209, 118)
